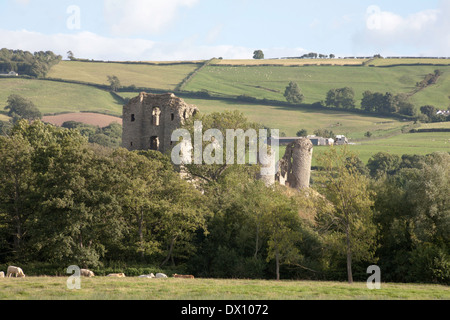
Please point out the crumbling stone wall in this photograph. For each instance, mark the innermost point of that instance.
(150, 119)
(295, 167)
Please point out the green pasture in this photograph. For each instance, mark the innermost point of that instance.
(58, 97)
(103, 288)
(411, 143)
(165, 77)
(437, 95)
(290, 120)
(269, 82)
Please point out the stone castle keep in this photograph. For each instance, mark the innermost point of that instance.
(150, 119)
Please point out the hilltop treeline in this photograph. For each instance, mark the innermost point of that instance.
(36, 64)
(64, 201)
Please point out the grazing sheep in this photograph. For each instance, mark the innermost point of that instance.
(117, 275)
(17, 272)
(2, 274)
(87, 273)
(160, 275)
(148, 276)
(180, 276)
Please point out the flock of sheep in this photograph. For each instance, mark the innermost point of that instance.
(18, 273)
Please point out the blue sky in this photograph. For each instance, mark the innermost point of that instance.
(201, 29)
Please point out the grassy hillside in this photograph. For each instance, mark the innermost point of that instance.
(163, 76)
(55, 97)
(417, 143)
(315, 81)
(234, 77)
(386, 132)
(291, 120)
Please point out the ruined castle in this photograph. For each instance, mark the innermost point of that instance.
(150, 119)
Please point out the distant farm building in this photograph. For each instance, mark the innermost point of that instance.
(9, 74)
(316, 141)
(443, 112)
(341, 140)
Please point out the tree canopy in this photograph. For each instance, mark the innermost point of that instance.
(293, 93)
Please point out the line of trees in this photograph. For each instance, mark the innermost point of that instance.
(373, 102)
(27, 63)
(65, 201)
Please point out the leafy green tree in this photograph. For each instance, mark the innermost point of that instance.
(258, 54)
(20, 108)
(341, 98)
(325, 133)
(429, 111)
(302, 133)
(350, 226)
(17, 182)
(68, 208)
(282, 225)
(413, 215)
(383, 163)
(229, 120)
(163, 211)
(293, 94)
(114, 83)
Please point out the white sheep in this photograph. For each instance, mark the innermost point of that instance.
(117, 275)
(87, 273)
(148, 276)
(161, 275)
(17, 272)
(2, 274)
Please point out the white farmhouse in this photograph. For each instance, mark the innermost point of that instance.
(341, 140)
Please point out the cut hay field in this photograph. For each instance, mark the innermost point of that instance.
(290, 62)
(409, 61)
(103, 288)
(158, 76)
(57, 97)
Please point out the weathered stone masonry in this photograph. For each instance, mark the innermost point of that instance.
(150, 119)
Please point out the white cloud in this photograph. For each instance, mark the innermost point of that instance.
(142, 17)
(83, 44)
(92, 46)
(423, 33)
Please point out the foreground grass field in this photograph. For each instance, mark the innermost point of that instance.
(102, 288)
